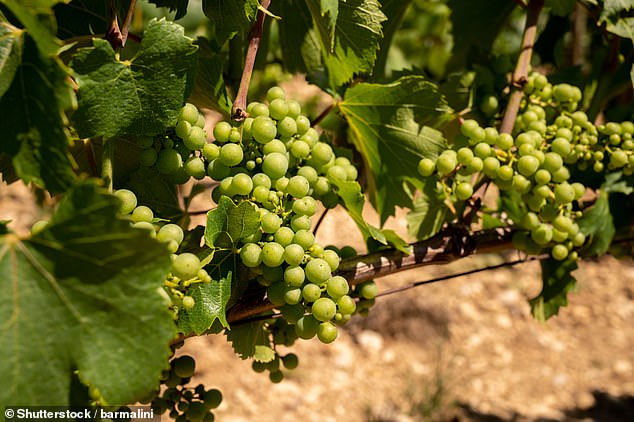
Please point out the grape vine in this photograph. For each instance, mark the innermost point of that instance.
(499, 141)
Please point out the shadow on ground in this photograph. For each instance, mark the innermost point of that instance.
(606, 408)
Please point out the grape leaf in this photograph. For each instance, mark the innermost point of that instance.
(388, 127)
(396, 241)
(557, 282)
(353, 200)
(209, 88)
(236, 221)
(141, 96)
(561, 7)
(39, 21)
(326, 10)
(394, 11)
(179, 5)
(476, 27)
(74, 293)
(157, 193)
(356, 39)
(11, 44)
(598, 226)
(245, 337)
(230, 16)
(428, 214)
(263, 353)
(211, 302)
(617, 19)
(33, 130)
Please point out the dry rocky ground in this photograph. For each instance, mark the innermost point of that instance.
(465, 349)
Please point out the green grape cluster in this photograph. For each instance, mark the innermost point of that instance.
(186, 267)
(274, 367)
(549, 136)
(176, 154)
(183, 403)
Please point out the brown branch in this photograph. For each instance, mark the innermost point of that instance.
(520, 75)
(116, 36)
(322, 115)
(447, 246)
(126, 23)
(239, 110)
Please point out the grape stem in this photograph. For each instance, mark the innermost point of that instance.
(239, 110)
(520, 75)
(106, 164)
(116, 36)
(447, 246)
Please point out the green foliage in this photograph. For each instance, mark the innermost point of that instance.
(230, 16)
(74, 293)
(245, 338)
(390, 126)
(428, 214)
(141, 96)
(11, 45)
(211, 302)
(557, 282)
(230, 221)
(597, 224)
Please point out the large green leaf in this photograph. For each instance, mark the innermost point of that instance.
(298, 41)
(428, 214)
(356, 39)
(33, 121)
(230, 16)
(557, 282)
(11, 44)
(389, 125)
(39, 20)
(211, 305)
(83, 294)
(141, 96)
(353, 200)
(234, 221)
(615, 17)
(246, 337)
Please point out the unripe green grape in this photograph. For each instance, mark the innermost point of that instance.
(542, 191)
(275, 93)
(298, 186)
(337, 286)
(278, 109)
(300, 149)
(292, 313)
(521, 184)
(168, 161)
(183, 128)
(464, 190)
(530, 221)
(564, 193)
(527, 165)
(293, 254)
(195, 167)
(196, 139)
(270, 222)
(145, 226)
(504, 141)
(294, 275)
(580, 190)
(258, 109)
(290, 361)
(327, 332)
(552, 162)
(275, 293)
(148, 157)
(562, 223)
(482, 150)
(275, 165)
(578, 239)
(142, 213)
(170, 232)
(368, 289)
(474, 165)
(281, 184)
(559, 252)
(542, 234)
(306, 327)
(231, 155)
(446, 162)
(184, 366)
(185, 266)
(189, 302)
(309, 173)
(491, 166)
(40, 225)
(324, 309)
(489, 105)
(293, 296)
(561, 175)
(272, 254)
(301, 222)
(128, 200)
(346, 305)
(535, 202)
(469, 128)
(332, 258)
(145, 142)
(317, 271)
(464, 155)
(305, 206)
(303, 124)
(211, 151)
(274, 274)
(263, 129)
(426, 167)
(321, 153)
(316, 251)
(311, 292)
(559, 236)
(322, 186)
(189, 112)
(618, 159)
(261, 179)
(284, 236)
(597, 167)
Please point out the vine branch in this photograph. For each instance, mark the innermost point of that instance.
(520, 75)
(116, 36)
(443, 248)
(239, 110)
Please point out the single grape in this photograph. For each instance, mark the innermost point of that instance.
(275, 165)
(196, 139)
(184, 366)
(321, 153)
(148, 157)
(128, 201)
(263, 129)
(170, 232)
(270, 222)
(182, 129)
(527, 165)
(446, 162)
(272, 254)
(195, 167)
(542, 234)
(305, 206)
(303, 124)
(332, 258)
(559, 252)
(293, 254)
(231, 155)
(306, 327)
(327, 332)
(284, 236)
(618, 159)
(337, 286)
(189, 302)
(464, 191)
(292, 296)
(241, 184)
(346, 305)
(290, 361)
(311, 292)
(564, 193)
(276, 376)
(304, 238)
(298, 186)
(189, 112)
(168, 161)
(294, 275)
(142, 213)
(504, 141)
(278, 109)
(317, 271)
(274, 146)
(185, 266)
(274, 93)
(367, 289)
(324, 309)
